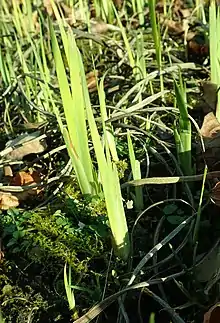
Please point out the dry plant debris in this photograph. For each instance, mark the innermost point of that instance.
(24, 145)
(211, 126)
(8, 200)
(13, 199)
(48, 7)
(91, 79)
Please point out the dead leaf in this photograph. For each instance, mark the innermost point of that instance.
(186, 13)
(209, 97)
(99, 27)
(211, 137)
(69, 14)
(7, 171)
(173, 26)
(67, 10)
(213, 315)
(24, 145)
(178, 28)
(35, 147)
(24, 178)
(190, 35)
(211, 126)
(91, 80)
(33, 125)
(48, 7)
(8, 200)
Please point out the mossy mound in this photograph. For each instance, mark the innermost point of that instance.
(40, 243)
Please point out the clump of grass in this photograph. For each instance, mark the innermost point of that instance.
(125, 39)
(156, 38)
(104, 10)
(77, 109)
(138, 8)
(182, 130)
(136, 173)
(69, 291)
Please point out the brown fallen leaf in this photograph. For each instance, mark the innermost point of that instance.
(69, 14)
(24, 145)
(24, 178)
(8, 200)
(211, 137)
(7, 171)
(67, 10)
(11, 200)
(186, 13)
(211, 126)
(48, 7)
(26, 149)
(209, 97)
(91, 80)
(178, 28)
(173, 26)
(180, 25)
(99, 27)
(33, 125)
(160, 6)
(213, 315)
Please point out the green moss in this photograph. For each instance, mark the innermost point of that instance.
(50, 238)
(7, 289)
(97, 206)
(72, 189)
(19, 305)
(122, 166)
(40, 242)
